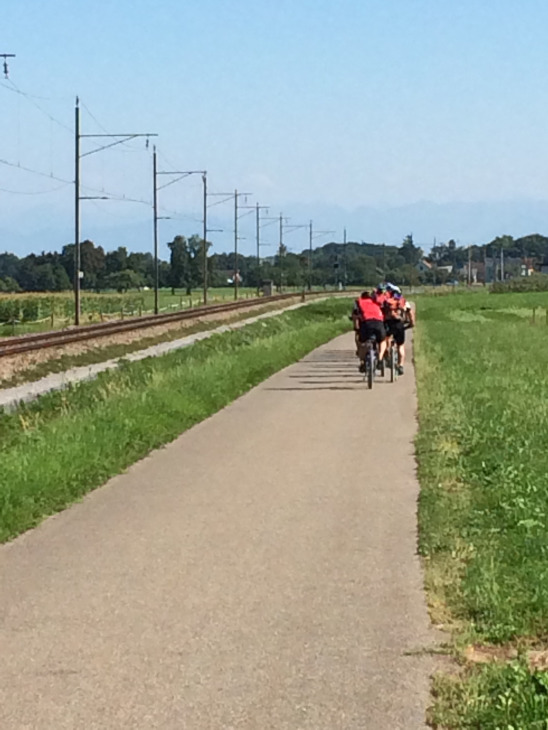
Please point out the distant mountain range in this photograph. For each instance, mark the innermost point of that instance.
(478, 222)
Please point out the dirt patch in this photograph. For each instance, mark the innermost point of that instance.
(484, 654)
(538, 660)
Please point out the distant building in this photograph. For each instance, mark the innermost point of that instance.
(423, 265)
(527, 267)
(474, 272)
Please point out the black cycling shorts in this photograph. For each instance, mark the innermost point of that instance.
(372, 329)
(396, 328)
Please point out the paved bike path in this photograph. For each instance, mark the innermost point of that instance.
(259, 573)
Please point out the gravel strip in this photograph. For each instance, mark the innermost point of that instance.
(10, 398)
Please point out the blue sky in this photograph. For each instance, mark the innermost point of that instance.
(313, 106)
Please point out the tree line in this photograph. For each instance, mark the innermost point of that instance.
(351, 264)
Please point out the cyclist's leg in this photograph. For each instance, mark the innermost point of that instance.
(356, 325)
(382, 340)
(361, 337)
(399, 336)
(389, 336)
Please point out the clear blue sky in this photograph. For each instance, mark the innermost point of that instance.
(302, 102)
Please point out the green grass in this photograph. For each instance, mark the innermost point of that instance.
(107, 351)
(67, 443)
(536, 282)
(497, 697)
(483, 513)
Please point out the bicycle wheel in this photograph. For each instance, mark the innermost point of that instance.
(396, 359)
(392, 363)
(371, 363)
(382, 368)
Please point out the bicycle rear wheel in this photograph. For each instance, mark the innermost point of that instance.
(392, 356)
(370, 366)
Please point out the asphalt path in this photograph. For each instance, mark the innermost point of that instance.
(260, 572)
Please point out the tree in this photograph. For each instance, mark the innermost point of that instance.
(179, 263)
(143, 264)
(9, 265)
(44, 278)
(124, 280)
(92, 263)
(62, 282)
(186, 262)
(116, 261)
(409, 252)
(9, 285)
(28, 274)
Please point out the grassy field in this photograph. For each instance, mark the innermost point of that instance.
(483, 464)
(69, 442)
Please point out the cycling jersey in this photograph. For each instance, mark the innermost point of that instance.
(370, 310)
(394, 308)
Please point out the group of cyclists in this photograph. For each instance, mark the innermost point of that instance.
(380, 315)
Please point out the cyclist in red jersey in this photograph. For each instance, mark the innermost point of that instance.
(371, 324)
(380, 294)
(397, 312)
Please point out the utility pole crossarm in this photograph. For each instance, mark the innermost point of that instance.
(5, 56)
(78, 198)
(124, 138)
(312, 235)
(258, 209)
(179, 175)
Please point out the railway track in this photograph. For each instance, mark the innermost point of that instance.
(56, 338)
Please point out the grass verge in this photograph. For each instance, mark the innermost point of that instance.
(483, 517)
(106, 351)
(61, 446)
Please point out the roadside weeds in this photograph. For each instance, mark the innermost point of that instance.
(482, 518)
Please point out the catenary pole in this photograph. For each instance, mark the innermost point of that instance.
(280, 252)
(310, 235)
(236, 274)
(77, 212)
(155, 210)
(204, 180)
(344, 258)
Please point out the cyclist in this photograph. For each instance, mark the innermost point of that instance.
(371, 325)
(380, 294)
(355, 317)
(397, 313)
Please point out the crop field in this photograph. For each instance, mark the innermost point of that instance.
(483, 465)
(22, 313)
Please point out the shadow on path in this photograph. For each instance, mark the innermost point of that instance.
(328, 370)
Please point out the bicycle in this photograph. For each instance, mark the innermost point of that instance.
(393, 355)
(370, 358)
(393, 359)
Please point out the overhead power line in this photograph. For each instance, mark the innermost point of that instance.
(31, 99)
(106, 131)
(120, 197)
(37, 192)
(35, 172)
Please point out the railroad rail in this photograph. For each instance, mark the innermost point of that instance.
(56, 338)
